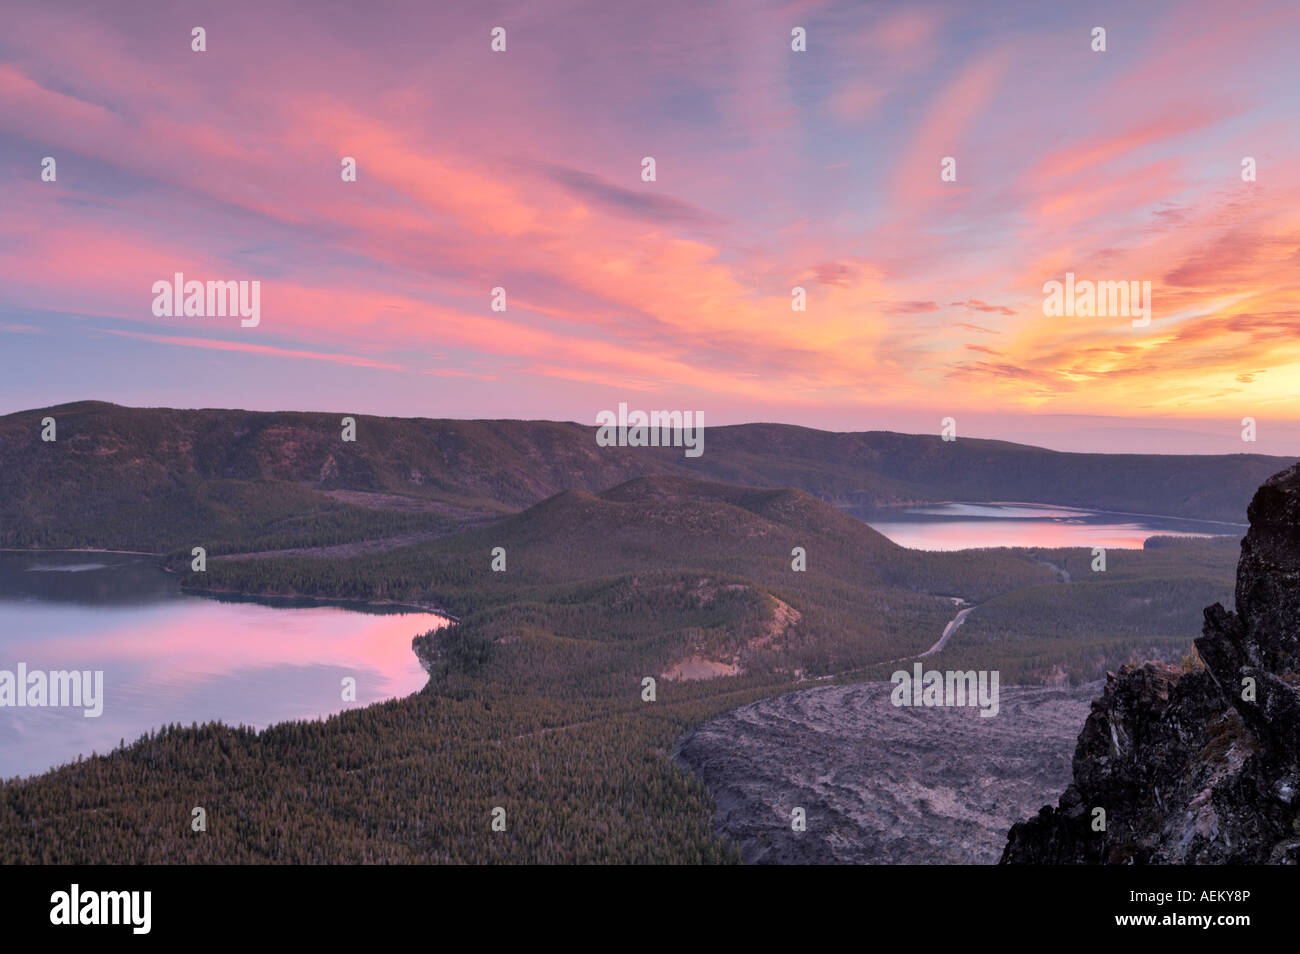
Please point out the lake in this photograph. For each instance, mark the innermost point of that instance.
(960, 526)
(169, 656)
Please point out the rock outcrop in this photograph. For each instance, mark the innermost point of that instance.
(1197, 765)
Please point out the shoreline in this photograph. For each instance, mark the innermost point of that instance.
(76, 550)
(408, 604)
(1083, 510)
(416, 640)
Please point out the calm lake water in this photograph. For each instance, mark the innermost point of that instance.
(172, 657)
(960, 526)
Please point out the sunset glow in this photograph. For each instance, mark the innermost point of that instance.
(775, 169)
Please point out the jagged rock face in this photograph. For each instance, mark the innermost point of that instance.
(1198, 767)
(1268, 576)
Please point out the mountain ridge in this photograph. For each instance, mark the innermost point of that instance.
(157, 478)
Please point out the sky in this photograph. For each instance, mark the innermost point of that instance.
(522, 169)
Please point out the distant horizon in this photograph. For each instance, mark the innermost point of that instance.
(1095, 438)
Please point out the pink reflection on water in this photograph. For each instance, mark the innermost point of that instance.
(197, 660)
(173, 642)
(973, 534)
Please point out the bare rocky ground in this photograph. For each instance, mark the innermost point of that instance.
(880, 784)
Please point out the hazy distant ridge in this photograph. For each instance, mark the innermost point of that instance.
(156, 477)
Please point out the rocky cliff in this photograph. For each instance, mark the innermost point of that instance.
(1197, 765)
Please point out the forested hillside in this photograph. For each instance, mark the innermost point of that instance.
(657, 545)
(535, 698)
(605, 576)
